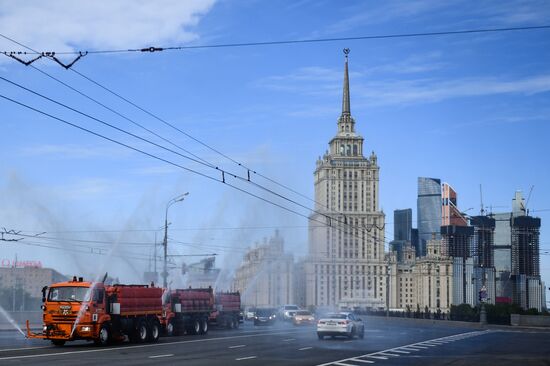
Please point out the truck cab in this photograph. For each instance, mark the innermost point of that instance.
(72, 310)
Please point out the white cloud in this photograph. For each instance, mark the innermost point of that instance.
(319, 82)
(433, 90)
(66, 25)
(365, 14)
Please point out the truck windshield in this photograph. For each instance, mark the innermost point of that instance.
(69, 293)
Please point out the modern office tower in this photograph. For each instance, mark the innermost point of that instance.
(415, 241)
(525, 245)
(450, 214)
(516, 257)
(484, 239)
(428, 211)
(482, 253)
(455, 232)
(346, 261)
(402, 224)
(457, 241)
(527, 287)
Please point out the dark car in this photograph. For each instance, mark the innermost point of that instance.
(265, 316)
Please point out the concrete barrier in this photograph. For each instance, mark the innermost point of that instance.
(397, 320)
(529, 320)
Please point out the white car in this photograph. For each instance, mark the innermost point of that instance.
(287, 312)
(340, 324)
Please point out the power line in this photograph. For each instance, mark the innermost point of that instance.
(172, 151)
(328, 216)
(167, 149)
(291, 41)
(171, 163)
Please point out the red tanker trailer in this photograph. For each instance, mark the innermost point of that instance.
(187, 311)
(227, 309)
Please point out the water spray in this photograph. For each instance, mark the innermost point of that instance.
(11, 321)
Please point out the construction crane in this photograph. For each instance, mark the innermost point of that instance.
(527, 201)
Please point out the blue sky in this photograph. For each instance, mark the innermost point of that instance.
(469, 109)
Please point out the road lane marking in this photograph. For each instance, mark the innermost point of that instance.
(289, 339)
(304, 348)
(399, 351)
(238, 346)
(388, 354)
(342, 364)
(409, 347)
(109, 349)
(377, 357)
(159, 356)
(23, 348)
(360, 360)
(245, 358)
(348, 341)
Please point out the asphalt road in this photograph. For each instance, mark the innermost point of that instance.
(393, 342)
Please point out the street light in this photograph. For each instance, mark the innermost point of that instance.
(165, 243)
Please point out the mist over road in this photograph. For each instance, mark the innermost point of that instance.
(387, 342)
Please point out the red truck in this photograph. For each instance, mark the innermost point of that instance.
(227, 309)
(187, 311)
(93, 311)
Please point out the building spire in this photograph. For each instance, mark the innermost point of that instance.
(345, 97)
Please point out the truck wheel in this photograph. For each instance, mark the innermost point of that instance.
(139, 335)
(153, 332)
(196, 327)
(104, 336)
(58, 342)
(204, 326)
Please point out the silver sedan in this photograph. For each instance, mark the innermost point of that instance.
(340, 324)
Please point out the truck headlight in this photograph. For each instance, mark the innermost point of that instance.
(45, 328)
(86, 329)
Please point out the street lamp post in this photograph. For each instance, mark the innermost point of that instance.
(165, 242)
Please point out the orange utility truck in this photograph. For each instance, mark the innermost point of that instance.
(96, 312)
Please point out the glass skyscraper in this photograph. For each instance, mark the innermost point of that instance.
(402, 224)
(428, 211)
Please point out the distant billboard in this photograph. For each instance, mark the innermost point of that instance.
(9, 263)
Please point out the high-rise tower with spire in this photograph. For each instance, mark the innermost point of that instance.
(346, 264)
